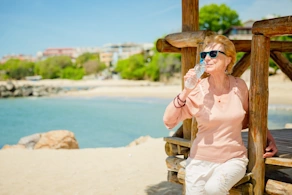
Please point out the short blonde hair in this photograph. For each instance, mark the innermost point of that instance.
(229, 48)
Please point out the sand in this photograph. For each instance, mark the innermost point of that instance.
(135, 170)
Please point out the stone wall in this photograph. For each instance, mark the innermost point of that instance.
(9, 89)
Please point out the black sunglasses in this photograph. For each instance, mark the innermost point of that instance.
(212, 54)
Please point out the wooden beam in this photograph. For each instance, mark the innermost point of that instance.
(179, 132)
(172, 177)
(190, 22)
(282, 63)
(173, 149)
(173, 163)
(163, 46)
(188, 39)
(273, 27)
(285, 162)
(258, 110)
(240, 46)
(241, 66)
(278, 188)
(178, 141)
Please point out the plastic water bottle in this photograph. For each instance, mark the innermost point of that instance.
(191, 82)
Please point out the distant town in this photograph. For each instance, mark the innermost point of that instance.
(111, 53)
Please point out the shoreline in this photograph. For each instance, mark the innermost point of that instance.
(280, 88)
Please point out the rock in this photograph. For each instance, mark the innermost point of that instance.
(10, 86)
(140, 140)
(18, 146)
(57, 139)
(30, 141)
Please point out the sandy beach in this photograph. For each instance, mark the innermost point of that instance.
(134, 170)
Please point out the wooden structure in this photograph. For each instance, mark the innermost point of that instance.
(189, 44)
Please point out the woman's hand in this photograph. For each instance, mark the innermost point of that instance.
(271, 148)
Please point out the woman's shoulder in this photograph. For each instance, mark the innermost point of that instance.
(238, 82)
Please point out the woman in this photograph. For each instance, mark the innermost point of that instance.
(219, 102)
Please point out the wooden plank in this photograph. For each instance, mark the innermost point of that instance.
(278, 188)
(188, 39)
(258, 110)
(273, 27)
(173, 163)
(245, 179)
(283, 63)
(241, 66)
(245, 189)
(163, 46)
(285, 162)
(190, 22)
(172, 177)
(178, 141)
(240, 46)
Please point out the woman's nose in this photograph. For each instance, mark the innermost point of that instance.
(207, 58)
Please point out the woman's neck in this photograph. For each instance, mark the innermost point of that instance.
(219, 83)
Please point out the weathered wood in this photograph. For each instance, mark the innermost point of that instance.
(178, 141)
(163, 46)
(284, 162)
(172, 177)
(172, 149)
(273, 27)
(190, 22)
(181, 175)
(241, 66)
(240, 46)
(258, 110)
(188, 39)
(194, 125)
(283, 63)
(278, 188)
(244, 189)
(235, 191)
(245, 179)
(173, 163)
(179, 132)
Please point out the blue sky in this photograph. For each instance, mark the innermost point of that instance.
(29, 26)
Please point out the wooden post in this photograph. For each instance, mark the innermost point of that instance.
(258, 110)
(190, 22)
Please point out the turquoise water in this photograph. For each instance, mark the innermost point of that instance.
(96, 122)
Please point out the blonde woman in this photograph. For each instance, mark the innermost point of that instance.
(219, 102)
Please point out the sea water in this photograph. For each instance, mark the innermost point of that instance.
(98, 121)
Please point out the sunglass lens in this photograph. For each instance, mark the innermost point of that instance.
(213, 54)
(203, 55)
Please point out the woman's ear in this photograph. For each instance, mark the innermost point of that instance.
(228, 60)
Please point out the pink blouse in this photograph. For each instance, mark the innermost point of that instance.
(219, 121)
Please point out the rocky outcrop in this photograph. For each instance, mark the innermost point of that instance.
(61, 139)
(56, 139)
(10, 89)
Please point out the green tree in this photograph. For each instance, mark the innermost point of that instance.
(51, 67)
(72, 73)
(217, 17)
(18, 69)
(93, 66)
(80, 60)
(132, 68)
